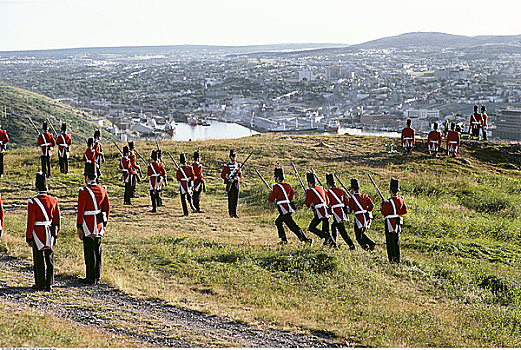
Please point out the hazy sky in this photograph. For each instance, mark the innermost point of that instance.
(43, 24)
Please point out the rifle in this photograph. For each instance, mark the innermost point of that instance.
(52, 127)
(375, 186)
(34, 126)
(233, 174)
(316, 177)
(298, 177)
(120, 152)
(173, 160)
(264, 181)
(342, 184)
(144, 161)
(161, 161)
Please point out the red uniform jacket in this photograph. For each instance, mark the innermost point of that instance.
(93, 209)
(338, 202)
(198, 174)
(3, 140)
(156, 171)
(63, 141)
(317, 197)
(484, 119)
(283, 194)
(475, 120)
(434, 140)
(1, 215)
(453, 141)
(133, 161)
(126, 167)
(42, 212)
(407, 137)
(185, 175)
(392, 209)
(228, 169)
(46, 143)
(90, 155)
(362, 206)
(99, 151)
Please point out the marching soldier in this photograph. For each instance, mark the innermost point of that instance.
(185, 176)
(100, 156)
(199, 183)
(91, 222)
(283, 195)
(64, 142)
(484, 122)
(126, 177)
(317, 198)
(393, 209)
(43, 226)
(475, 123)
(361, 206)
(135, 166)
(46, 142)
(90, 155)
(434, 140)
(408, 137)
(339, 208)
(160, 191)
(156, 174)
(453, 140)
(4, 139)
(231, 174)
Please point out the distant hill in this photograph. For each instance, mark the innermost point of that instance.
(22, 104)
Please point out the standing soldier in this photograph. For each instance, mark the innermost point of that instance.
(484, 122)
(46, 143)
(199, 183)
(4, 139)
(408, 137)
(318, 199)
(156, 174)
(100, 156)
(92, 218)
(475, 123)
(135, 167)
(434, 140)
(362, 206)
(160, 191)
(231, 174)
(90, 155)
(1, 216)
(126, 177)
(453, 140)
(43, 226)
(393, 209)
(283, 194)
(339, 208)
(64, 142)
(185, 176)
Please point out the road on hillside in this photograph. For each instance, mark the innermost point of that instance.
(148, 322)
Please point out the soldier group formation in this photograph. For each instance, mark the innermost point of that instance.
(335, 203)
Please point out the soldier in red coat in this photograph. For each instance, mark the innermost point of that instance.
(64, 142)
(133, 162)
(46, 142)
(185, 176)
(126, 177)
(339, 209)
(160, 192)
(91, 222)
(434, 140)
(1, 216)
(199, 183)
(393, 209)
(408, 137)
(231, 174)
(282, 194)
(475, 123)
(317, 198)
(90, 154)
(156, 175)
(100, 156)
(453, 140)
(361, 206)
(4, 139)
(484, 122)
(43, 226)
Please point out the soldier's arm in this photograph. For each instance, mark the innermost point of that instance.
(31, 217)
(224, 173)
(370, 204)
(56, 218)
(105, 204)
(1, 216)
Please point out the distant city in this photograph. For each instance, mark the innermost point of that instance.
(142, 93)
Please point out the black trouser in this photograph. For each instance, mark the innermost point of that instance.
(128, 192)
(484, 132)
(324, 233)
(160, 198)
(133, 180)
(392, 241)
(43, 267)
(184, 198)
(292, 225)
(196, 198)
(1, 163)
(342, 229)
(64, 164)
(362, 239)
(475, 132)
(154, 198)
(46, 165)
(233, 198)
(92, 255)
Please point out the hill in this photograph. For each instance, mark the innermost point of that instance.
(458, 284)
(21, 104)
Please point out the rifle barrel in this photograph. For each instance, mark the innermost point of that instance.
(120, 152)
(316, 177)
(342, 184)
(376, 187)
(173, 160)
(298, 176)
(34, 126)
(264, 181)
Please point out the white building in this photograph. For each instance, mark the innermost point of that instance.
(305, 74)
(422, 113)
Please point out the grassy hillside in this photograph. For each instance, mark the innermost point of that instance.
(458, 285)
(23, 103)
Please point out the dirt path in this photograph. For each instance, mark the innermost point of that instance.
(149, 322)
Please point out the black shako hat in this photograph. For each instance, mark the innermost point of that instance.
(330, 179)
(354, 184)
(131, 145)
(153, 155)
(44, 126)
(159, 153)
(310, 177)
(182, 158)
(196, 155)
(90, 141)
(97, 134)
(90, 170)
(233, 153)
(41, 181)
(64, 127)
(394, 185)
(125, 150)
(279, 173)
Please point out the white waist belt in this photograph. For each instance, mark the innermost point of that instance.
(283, 201)
(42, 223)
(453, 141)
(63, 145)
(321, 205)
(92, 212)
(392, 216)
(337, 206)
(360, 212)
